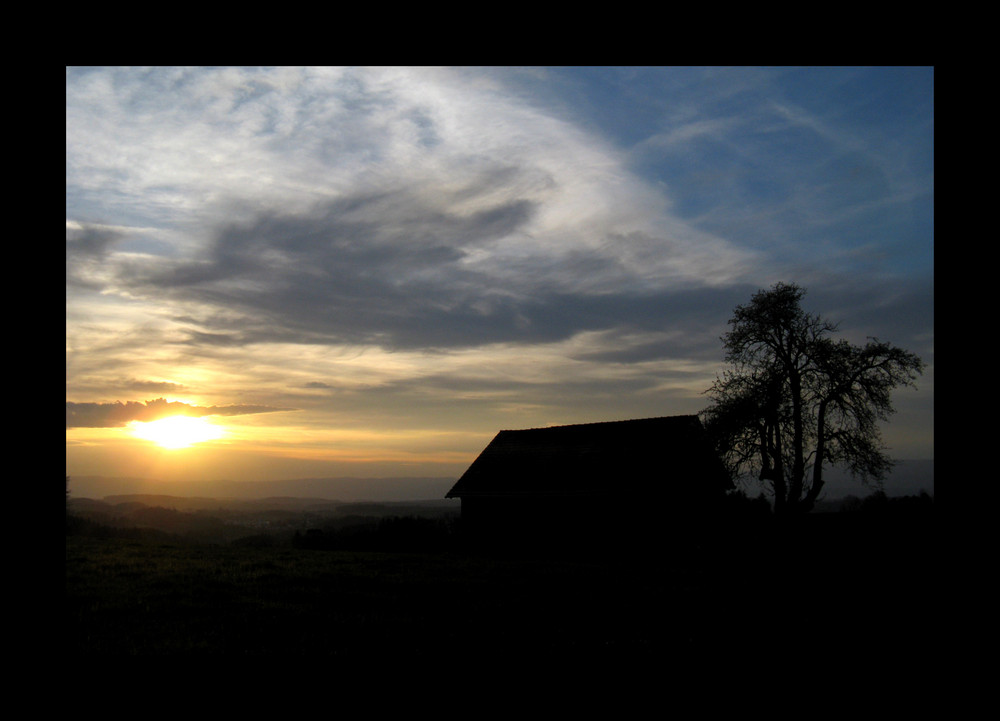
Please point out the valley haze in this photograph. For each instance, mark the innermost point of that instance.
(337, 489)
(909, 477)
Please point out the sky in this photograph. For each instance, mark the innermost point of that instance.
(368, 272)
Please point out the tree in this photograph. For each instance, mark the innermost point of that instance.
(795, 401)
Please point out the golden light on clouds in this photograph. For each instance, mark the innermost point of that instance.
(504, 263)
(176, 431)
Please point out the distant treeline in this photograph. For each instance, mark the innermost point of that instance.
(95, 528)
(877, 502)
(394, 533)
(419, 533)
(880, 503)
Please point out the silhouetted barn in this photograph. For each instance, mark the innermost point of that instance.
(593, 479)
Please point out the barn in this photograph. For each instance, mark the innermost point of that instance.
(590, 479)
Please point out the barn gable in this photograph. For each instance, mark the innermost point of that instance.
(580, 472)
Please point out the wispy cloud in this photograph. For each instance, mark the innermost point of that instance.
(444, 214)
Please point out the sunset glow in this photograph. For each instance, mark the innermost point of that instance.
(279, 273)
(176, 431)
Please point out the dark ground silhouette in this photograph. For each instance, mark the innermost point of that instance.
(823, 584)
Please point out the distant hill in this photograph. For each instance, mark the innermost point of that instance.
(203, 503)
(333, 489)
(908, 478)
(127, 504)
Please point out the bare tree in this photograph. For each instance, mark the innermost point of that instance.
(794, 401)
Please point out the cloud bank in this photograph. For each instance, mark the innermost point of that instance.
(118, 414)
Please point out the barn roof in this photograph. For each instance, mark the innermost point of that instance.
(619, 457)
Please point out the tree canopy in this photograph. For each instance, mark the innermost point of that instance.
(795, 401)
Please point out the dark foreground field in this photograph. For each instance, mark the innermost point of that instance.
(837, 585)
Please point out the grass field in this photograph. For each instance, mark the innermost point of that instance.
(149, 596)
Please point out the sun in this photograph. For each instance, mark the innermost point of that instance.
(176, 431)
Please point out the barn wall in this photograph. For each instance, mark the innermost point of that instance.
(573, 520)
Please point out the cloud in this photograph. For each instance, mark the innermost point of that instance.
(380, 243)
(151, 386)
(117, 414)
(405, 269)
(401, 207)
(87, 247)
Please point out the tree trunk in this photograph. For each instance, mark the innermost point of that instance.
(798, 462)
(772, 461)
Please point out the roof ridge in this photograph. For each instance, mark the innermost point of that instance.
(599, 423)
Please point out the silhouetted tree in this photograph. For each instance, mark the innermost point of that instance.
(795, 401)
